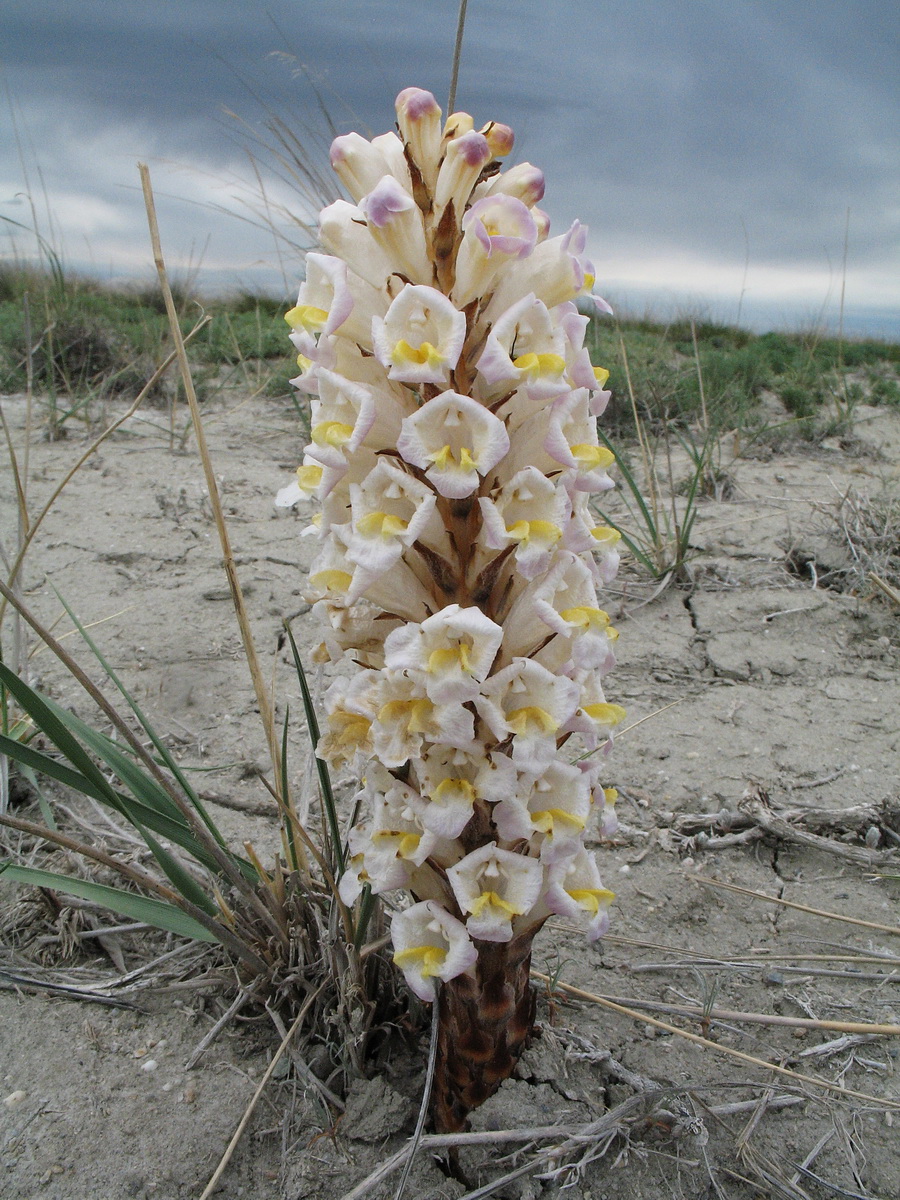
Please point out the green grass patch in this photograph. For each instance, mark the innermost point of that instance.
(736, 369)
(90, 342)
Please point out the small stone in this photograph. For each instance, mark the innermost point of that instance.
(189, 1095)
(150, 1065)
(14, 1099)
(282, 1068)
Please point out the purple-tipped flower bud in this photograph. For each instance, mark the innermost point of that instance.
(500, 138)
(457, 124)
(419, 119)
(523, 181)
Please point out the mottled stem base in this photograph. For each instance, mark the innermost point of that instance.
(484, 1021)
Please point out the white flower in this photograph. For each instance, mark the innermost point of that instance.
(450, 652)
(390, 511)
(609, 821)
(430, 944)
(530, 513)
(526, 701)
(494, 887)
(524, 181)
(595, 719)
(343, 415)
(306, 484)
(360, 164)
(455, 441)
(344, 231)
(330, 302)
(421, 336)
(572, 440)
(405, 718)
(553, 272)
(573, 887)
(395, 223)
(497, 230)
(527, 331)
(567, 603)
(555, 804)
(454, 451)
(349, 714)
(464, 159)
(454, 781)
(582, 533)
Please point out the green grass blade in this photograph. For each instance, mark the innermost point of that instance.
(633, 488)
(180, 877)
(154, 808)
(366, 908)
(49, 723)
(127, 904)
(158, 744)
(321, 766)
(290, 832)
(43, 803)
(35, 761)
(151, 807)
(53, 723)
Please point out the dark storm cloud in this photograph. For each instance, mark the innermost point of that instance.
(671, 128)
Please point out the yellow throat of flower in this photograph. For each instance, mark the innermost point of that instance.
(547, 820)
(539, 531)
(431, 958)
(444, 459)
(590, 899)
(332, 433)
(540, 365)
(385, 524)
(531, 719)
(492, 900)
(449, 790)
(307, 317)
(450, 658)
(403, 354)
(584, 617)
(592, 457)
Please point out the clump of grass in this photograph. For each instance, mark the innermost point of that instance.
(84, 343)
(738, 368)
(869, 526)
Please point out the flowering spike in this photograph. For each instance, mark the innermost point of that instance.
(454, 450)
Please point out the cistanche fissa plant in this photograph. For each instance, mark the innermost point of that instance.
(454, 453)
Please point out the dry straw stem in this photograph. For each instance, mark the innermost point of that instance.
(816, 912)
(754, 956)
(245, 1119)
(32, 528)
(262, 694)
(727, 1014)
(884, 586)
(825, 1084)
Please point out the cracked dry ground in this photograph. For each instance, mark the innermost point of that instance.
(770, 681)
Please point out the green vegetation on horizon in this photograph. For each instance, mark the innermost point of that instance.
(91, 341)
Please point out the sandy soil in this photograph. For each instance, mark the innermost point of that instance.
(768, 680)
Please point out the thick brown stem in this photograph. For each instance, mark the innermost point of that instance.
(485, 1020)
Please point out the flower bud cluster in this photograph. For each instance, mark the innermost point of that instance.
(454, 452)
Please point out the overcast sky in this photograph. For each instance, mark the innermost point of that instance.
(712, 146)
